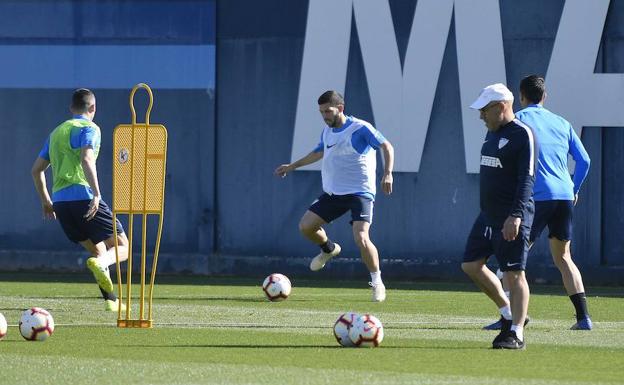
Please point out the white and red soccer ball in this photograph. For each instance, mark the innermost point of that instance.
(367, 331)
(36, 324)
(276, 287)
(343, 326)
(3, 326)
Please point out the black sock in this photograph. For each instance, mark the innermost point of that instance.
(580, 304)
(328, 246)
(108, 296)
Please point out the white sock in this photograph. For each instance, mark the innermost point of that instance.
(376, 277)
(108, 258)
(519, 329)
(505, 311)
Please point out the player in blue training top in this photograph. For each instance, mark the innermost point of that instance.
(71, 150)
(507, 174)
(555, 193)
(348, 149)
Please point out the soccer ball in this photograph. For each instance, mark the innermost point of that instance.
(3, 326)
(36, 324)
(277, 287)
(342, 326)
(367, 331)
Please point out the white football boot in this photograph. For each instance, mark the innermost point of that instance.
(320, 260)
(379, 292)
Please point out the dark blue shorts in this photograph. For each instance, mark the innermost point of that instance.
(71, 216)
(557, 215)
(330, 207)
(484, 241)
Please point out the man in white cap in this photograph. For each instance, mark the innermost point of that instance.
(507, 173)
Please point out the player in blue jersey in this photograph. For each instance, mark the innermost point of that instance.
(71, 150)
(555, 193)
(348, 149)
(507, 174)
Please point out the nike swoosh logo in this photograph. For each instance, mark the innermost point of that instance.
(362, 215)
(328, 146)
(512, 264)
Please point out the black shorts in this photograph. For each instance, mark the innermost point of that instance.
(71, 216)
(557, 215)
(330, 207)
(484, 241)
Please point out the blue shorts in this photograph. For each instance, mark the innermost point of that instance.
(330, 207)
(557, 215)
(484, 241)
(70, 214)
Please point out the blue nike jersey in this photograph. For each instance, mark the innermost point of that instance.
(557, 139)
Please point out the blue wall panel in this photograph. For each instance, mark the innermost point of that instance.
(225, 212)
(108, 46)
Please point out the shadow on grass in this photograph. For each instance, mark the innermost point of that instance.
(268, 346)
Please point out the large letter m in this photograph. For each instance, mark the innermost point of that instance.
(401, 98)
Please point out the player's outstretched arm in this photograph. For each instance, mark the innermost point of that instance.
(87, 160)
(388, 156)
(38, 175)
(312, 157)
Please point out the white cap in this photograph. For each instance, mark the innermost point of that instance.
(492, 93)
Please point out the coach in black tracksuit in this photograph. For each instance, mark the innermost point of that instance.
(507, 173)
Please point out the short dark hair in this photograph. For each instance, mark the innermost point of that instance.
(82, 99)
(532, 88)
(332, 97)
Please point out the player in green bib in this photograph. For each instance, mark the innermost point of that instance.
(71, 151)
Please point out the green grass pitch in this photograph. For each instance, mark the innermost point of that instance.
(223, 331)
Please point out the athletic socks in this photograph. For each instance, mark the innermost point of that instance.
(579, 301)
(376, 278)
(505, 311)
(108, 296)
(109, 258)
(519, 329)
(328, 246)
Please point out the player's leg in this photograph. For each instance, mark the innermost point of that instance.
(498, 324)
(110, 258)
(310, 226)
(100, 271)
(370, 257)
(322, 211)
(368, 251)
(101, 232)
(542, 213)
(560, 234)
(512, 257)
(487, 281)
(70, 215)
(478, 249)
(569, 272)
(519, 300)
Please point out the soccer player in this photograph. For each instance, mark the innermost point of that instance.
(555, 192)
(72, 149)
(507, 174)
(348, 149)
